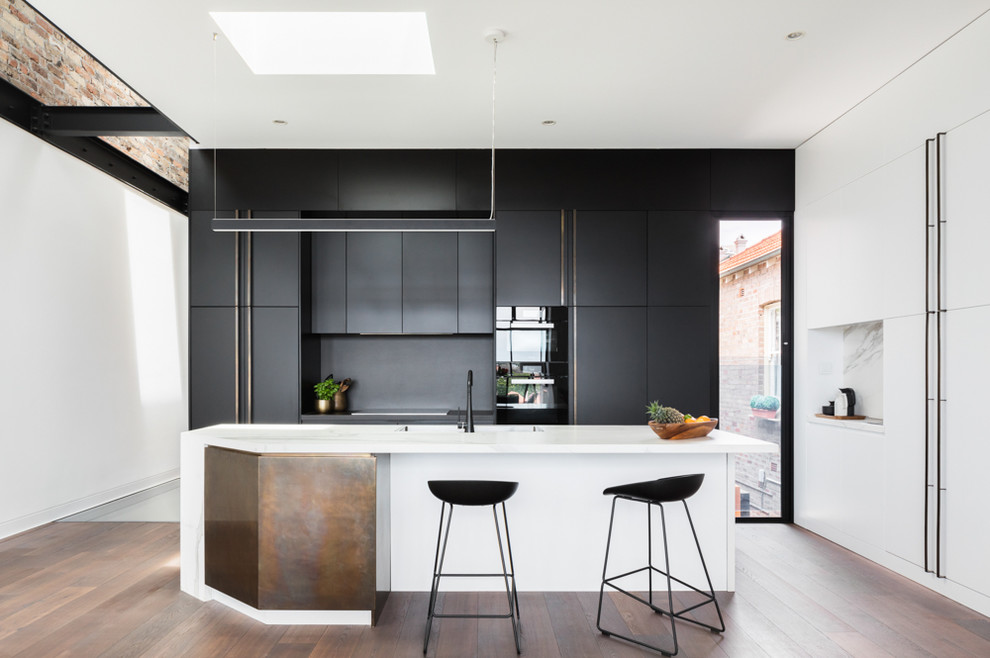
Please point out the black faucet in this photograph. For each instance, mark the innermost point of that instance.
(469, 425)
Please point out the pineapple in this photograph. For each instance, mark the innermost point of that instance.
(661, 414)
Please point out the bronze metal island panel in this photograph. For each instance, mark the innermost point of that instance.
(317, 533)
(231, 523)
(294, 532)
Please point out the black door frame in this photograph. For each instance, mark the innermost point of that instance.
(786, 220)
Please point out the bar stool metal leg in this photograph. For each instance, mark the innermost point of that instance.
(650, 568)
(437, 569)
(507, 575)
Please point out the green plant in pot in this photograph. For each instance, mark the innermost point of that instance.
(325, 391)
(764, 406)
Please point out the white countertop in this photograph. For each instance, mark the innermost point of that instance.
(568, 439)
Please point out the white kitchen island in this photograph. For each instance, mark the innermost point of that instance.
(558, 519)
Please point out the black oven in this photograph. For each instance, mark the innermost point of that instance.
(531, 381)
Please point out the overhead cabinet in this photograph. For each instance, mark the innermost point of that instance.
(529, 258)
(402, 283)
(374, 283)
(475, 283)
(429, 283)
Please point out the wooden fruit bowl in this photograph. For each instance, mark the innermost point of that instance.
(675, 431)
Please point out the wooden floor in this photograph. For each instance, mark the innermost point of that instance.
(112, 589)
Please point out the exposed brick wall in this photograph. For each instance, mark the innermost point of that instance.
(40, 60)
(743, 296)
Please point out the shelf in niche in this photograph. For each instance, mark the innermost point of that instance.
(848, 356)
(856, 425)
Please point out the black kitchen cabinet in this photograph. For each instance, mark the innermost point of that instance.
(680, 351)
(263, 179)
(529, 253)
(398, 180)
(610, 365)
(212, 261)
(610, 258)
(329, 308)
(752, 180)
(212, 366)
(274, 269)
(374, 283)
(274, 365)
(412, 283)
(429, 283)
(683, 258)
(246, 371)
(475, 276)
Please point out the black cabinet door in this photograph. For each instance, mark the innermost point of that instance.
(429, 283)
(398, 180)
(610, 365)
(212, 366)
(529, 250)
(212, 258)
(610, 258)
(683, 263)
(374, 283)
(274, 269)
(758, 180)
(474, 283)
(682, 358)
(274, 339)
(329, 283)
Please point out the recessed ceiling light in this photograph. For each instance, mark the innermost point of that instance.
(549, 122)
(794, 36)
(330, 43)
(280, 122)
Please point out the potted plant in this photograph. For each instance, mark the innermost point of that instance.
(764, 406)
(325, 391)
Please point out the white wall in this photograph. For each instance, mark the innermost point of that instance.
(93, 308)
(860, 257)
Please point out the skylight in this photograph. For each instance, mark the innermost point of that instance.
(330, 43)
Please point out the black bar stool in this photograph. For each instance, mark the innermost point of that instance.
(658, 492)
(474, 493)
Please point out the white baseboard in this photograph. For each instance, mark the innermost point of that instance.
(41, 517)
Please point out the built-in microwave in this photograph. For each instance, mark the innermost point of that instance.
(531, 367)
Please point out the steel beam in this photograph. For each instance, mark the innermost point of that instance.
(105, 121)
(24, 111)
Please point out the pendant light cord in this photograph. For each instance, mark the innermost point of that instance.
(491, 214)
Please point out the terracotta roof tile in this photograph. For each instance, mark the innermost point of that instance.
(756, 253)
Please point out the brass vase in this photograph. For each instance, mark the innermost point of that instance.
(339, 401)
(324, 406)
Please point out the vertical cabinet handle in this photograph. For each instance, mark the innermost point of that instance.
(934, 314)
(237, 325)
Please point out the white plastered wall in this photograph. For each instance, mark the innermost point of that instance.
(93, 335)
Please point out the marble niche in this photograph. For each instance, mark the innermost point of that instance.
(862, 366)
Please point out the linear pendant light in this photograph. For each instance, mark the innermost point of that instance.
(367, 225)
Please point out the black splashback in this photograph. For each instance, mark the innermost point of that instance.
(411, 372)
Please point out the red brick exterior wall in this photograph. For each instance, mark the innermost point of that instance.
(743, 296)
(38, 59)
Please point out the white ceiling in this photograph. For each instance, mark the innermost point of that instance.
(617, 74)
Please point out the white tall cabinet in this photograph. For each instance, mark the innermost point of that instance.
(860, 257)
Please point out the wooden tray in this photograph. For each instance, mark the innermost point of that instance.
(675, 431)
(841, 417)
